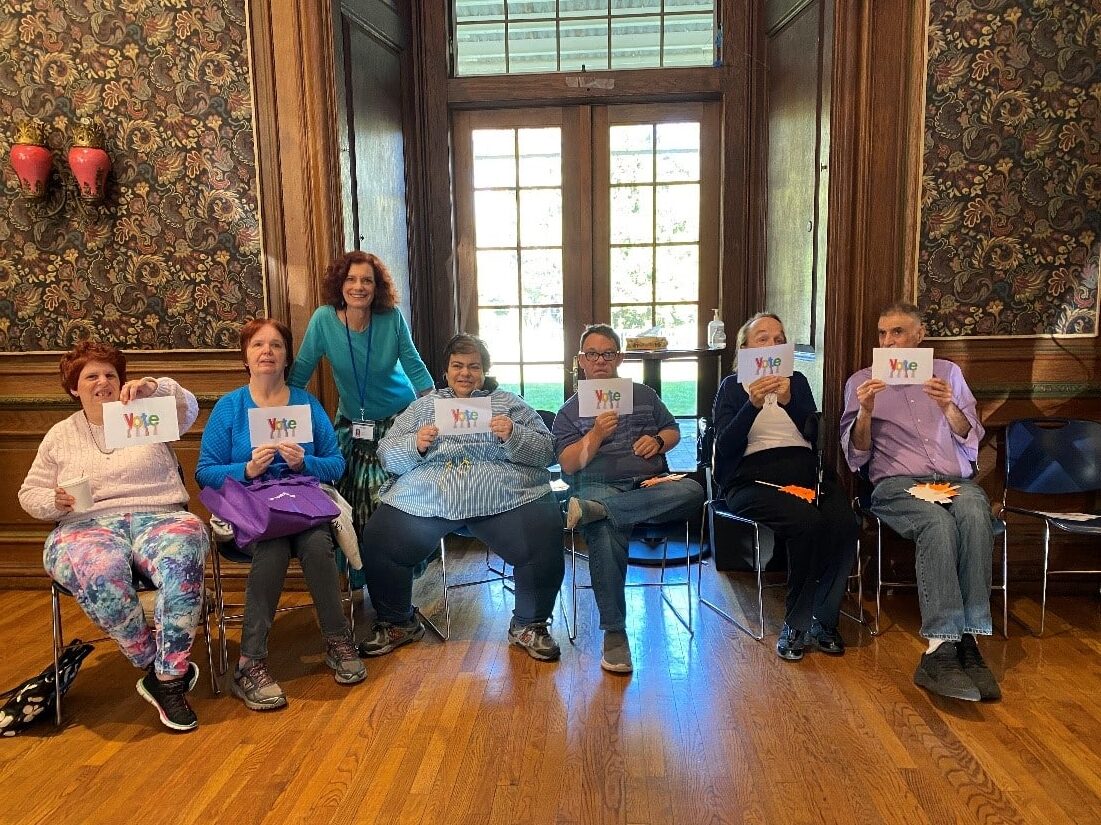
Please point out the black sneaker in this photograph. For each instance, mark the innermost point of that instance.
(826, 639)
(940, 672)
(386, 636)
(790, 644)
(170, 700)
(973, 665)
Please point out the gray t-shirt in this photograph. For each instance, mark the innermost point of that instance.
(616, 460)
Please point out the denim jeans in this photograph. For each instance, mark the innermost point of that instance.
(270, 560)
(955, 545)
(607, 539)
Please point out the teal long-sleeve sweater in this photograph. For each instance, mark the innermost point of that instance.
(227, 447)
(387, 379)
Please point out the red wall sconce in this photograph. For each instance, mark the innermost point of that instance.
(30, 158)
(88, 160)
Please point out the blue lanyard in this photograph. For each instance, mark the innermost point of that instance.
(361, 387)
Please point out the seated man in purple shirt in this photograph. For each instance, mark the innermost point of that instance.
(907, 435)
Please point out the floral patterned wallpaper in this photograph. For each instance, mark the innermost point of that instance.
(1011, 192)
(172, 259)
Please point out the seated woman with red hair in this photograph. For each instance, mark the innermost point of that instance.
(137, 521)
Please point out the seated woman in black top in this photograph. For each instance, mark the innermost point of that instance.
(758, 437)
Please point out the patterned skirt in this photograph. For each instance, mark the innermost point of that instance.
(363, 476)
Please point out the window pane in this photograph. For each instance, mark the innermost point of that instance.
(632, 218)
(543, 386)
(689, 40)
(495, 218)
(678, 386)
(632, 274)
(689, 5)
(570, 8)
(478, 9)
(635, 6)
(678, 273)
(678, 212)
(500, 329)
(584, 43)
(494, 158)
(678, 323)
(519, 9)
(540, 217)
(540, 157)
(678, 151)
(542, 276)
(532, 47)
(631, 153)
(632, 370)
(636, 42)
(497, 277)
(507, 375)
(543, 334)
(631, 320)
(480, 49)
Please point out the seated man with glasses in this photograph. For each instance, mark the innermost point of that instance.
(605, 459)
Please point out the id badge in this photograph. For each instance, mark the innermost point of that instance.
(363, 430)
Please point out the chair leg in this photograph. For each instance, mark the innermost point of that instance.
(878, 573)
(206, 607)
(573, 585)
(1043, 600)
(688, 573)
(1005, 582)
(220, 611)
(760, 634)
(55, 609)
(444, 634)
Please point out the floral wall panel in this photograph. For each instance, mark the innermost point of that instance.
(172, 259)
(1011, 189)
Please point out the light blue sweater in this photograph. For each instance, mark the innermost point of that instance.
(387, 382)
(227, 445)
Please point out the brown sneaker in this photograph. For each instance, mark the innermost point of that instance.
(341, 656)
(386, 636)
(254, 685)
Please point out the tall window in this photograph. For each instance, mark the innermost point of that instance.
(574, 215)
(514, 36)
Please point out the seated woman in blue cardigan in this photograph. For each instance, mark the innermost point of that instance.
(759, 437)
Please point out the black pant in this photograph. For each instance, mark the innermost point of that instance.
(821, 541)
(528, 537)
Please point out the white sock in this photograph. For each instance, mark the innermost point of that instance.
(934, 644)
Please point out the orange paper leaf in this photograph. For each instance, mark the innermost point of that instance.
(804, 493)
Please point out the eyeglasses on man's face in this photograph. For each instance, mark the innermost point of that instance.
(592, 356)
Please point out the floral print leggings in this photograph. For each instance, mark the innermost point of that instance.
(94, 559)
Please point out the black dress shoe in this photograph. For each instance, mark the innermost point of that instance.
(940, 672)
(827, 639)
(790, 644)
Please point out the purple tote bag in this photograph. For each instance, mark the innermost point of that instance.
(270, 509)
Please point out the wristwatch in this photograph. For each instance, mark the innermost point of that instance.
(660, 441)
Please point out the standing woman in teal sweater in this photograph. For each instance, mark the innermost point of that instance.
(378, 371)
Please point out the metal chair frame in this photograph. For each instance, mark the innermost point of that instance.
(220, 548)
(661, 584)
(1057, 436)
(500, 575)
(141, 585)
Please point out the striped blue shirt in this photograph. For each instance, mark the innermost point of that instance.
(466, 476)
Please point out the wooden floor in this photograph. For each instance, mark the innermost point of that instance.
(710, 728)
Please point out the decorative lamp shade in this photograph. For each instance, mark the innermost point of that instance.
(88, 160)
(30, 159)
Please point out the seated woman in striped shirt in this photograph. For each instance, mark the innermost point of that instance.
(493, 483)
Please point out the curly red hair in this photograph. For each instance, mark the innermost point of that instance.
(332, 285)
(75, 360)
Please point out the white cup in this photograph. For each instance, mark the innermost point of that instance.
(81, 490)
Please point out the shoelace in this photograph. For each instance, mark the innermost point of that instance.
(342, 649)
(258, 673)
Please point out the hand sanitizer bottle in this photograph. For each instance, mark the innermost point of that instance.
(716, 333)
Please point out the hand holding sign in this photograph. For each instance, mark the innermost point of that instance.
(765, 362)
(902, 365)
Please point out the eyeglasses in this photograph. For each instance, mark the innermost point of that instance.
(593, 357)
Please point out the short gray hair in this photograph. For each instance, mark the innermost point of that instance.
(743, 331)
(600, 329)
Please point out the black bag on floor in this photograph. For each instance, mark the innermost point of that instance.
(38, 694)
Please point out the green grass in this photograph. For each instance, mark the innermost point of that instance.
(679, 396)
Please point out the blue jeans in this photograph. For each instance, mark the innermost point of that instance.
(607, 539)
(955, 545)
